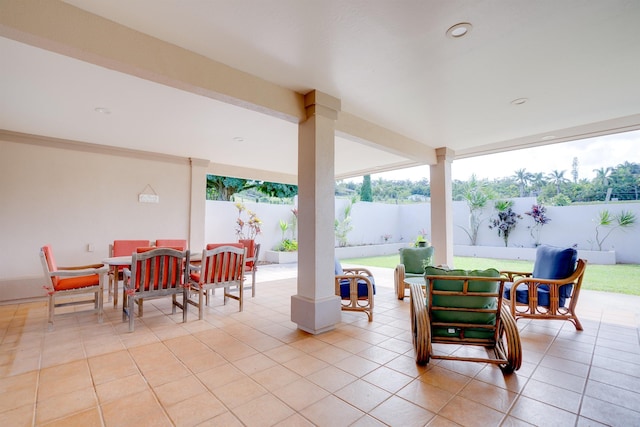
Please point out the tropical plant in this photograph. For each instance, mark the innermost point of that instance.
(343, 227)
(288, 244)
(506, 219)
(476, 199)
(252, 224)
(538, 214)
(605, 220)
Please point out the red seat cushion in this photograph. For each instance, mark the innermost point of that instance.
(77, 282)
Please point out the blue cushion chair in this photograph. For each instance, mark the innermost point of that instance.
(549, 292)
(412, 264)
(356, 288)
(463, 308)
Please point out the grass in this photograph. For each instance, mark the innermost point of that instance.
(618, 278)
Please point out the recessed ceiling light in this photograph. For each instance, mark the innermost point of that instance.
(519, 101)
(459, 30)
(238, 139)
(548, 137)
(102, 110)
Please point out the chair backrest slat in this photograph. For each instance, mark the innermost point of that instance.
(222, 263)
(158, 269)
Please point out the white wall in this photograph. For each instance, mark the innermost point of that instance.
(70, 199)
(570, 225)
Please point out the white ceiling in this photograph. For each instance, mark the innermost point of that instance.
(389, 62)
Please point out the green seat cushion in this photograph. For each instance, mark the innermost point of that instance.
(415, 259)
(470, 318)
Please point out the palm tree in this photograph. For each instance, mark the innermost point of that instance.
(538, 181)
(522, 177)
(603, 177)
(557, 177)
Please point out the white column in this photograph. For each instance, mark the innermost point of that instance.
(316, 308)
(442, 207)
(197, 204)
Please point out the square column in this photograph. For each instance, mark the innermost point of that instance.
(316, 308)
(442, 207)
(197, 203)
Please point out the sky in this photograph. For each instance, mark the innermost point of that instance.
(592, 153)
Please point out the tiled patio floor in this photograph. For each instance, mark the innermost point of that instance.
(256, 368)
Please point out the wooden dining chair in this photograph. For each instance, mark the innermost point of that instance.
(172, 243)
(222, 266)
(71, 281)
(155, 272)
(121, 248)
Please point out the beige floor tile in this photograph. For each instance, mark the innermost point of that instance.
(226, 419)
(63, 405)
(195, 410)
(357, 365)
(533, 410)
(553, 395)
(305, 365)
(332, 411)
(608, 413)
(254, 363)
(120, 388)
(257, 368)
(266, 410)
(295, 420)
(397, 411)
(18, 391)
(179, 390)
(89, 418)
(63, 379)
(425, 395)
(143, 410)
(239, 392)
(368, 421)
(18, 416)
(387, 379)
(112, 366)
(489, 395)
(301, 394)
(275, 377)
(363, 395)
(469, 413)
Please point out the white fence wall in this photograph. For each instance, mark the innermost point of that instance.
(570, 225)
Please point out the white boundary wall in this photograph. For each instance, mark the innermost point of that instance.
(570, 225)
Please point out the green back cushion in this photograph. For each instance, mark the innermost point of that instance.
(464, 301)
(414, 259)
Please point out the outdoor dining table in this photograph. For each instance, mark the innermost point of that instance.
(120, 262)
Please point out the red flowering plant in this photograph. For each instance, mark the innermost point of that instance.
(538, 214)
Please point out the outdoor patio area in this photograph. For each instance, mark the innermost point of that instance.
(255, 368)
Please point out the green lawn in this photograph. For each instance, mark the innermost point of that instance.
(619, 278)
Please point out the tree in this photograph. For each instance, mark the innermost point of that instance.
(224, 187)
(557, 178)
(523, 178)
(365, 191)
(602, 179)
(574, 170)
(538, 181)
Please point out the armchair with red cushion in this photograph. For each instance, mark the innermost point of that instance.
(65, 281)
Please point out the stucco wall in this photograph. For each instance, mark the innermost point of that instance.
(570, 225)
(71, 199)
